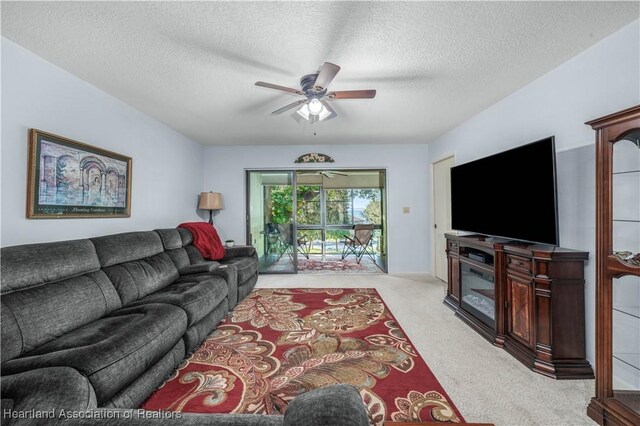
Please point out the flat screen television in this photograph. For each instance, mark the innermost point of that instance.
(511, 194)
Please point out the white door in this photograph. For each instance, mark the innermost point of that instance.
(441, 213)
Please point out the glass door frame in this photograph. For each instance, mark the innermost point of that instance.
(384, 249)
(294, 236)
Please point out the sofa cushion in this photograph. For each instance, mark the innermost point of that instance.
(119, 248)
(194, 254)
(44, 389)
(135, 279)
(195, 334)
(196, 298)
(37, 315)
(136, 263)
(230, 275)
(247, 267)
(199, 268)
(241, 251)
(186, 236)
(172, 242)
(134, 394)
(179, 257)
(170, 238)
(329, 405)
(30, 265)
(245, 288)
(112, 351)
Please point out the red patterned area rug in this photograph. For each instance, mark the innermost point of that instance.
(334, 264)
(280, 343)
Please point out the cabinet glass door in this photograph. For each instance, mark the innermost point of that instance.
(625, 378)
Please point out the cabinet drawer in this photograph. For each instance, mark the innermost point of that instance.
(520, 264)
(452, 246)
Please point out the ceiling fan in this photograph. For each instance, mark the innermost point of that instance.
(314, 89)
(329, 174)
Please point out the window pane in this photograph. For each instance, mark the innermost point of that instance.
(279, 203)
(335, 240)
(310, 240)
(339, 207)
(367, 206)
(308, 205)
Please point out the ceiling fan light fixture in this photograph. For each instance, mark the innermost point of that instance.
(314, 89)
(304, 111)
(324, 113)
(315, 106)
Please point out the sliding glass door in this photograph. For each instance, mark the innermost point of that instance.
(271, 217)
(312, 214)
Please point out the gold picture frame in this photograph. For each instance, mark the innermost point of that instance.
(70, 179)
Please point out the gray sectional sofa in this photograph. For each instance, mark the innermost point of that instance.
(101, 322)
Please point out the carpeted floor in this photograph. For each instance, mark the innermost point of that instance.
(279, 343)
(486, 383)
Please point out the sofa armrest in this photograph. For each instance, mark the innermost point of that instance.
(329, 405)
(239, 251)
(199, 268)
(48, 390)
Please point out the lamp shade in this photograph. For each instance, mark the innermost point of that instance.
(210, 201)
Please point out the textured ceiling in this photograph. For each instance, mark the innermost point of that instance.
(193, 65)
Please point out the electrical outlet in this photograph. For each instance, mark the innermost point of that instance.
(406, 210)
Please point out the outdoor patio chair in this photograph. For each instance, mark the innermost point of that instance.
(360, 244)
(279, 238)
(275, 243)
(286, 239)
(304, 245)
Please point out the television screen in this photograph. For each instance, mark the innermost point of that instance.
(511, 194)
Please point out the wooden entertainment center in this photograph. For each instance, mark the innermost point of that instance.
(526, 298)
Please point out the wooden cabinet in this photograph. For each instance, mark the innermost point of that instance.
(534, 294)
(520, 310)
(617, 399)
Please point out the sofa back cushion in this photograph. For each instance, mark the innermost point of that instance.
(173, 246)
(136, 263)
(178, 243)
(48, 290)
(187, 242)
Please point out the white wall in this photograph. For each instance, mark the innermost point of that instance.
(601, 80)
(408, 185)
(167, 166)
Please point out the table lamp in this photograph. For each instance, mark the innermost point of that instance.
(210, 201)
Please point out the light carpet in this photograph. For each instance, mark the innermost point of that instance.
(486, 383)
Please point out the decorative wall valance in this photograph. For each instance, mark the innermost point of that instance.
(314, 157)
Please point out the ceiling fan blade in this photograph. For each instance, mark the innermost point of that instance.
(275, 86)
(352, 94)
(327, 73)
(288, 107)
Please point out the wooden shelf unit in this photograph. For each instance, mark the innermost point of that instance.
(614, 404)
(539, 302)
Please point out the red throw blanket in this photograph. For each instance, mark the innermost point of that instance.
(205, 239)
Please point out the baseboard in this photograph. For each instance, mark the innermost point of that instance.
(420, 275)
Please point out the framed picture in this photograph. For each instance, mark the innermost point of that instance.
(70, 179)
